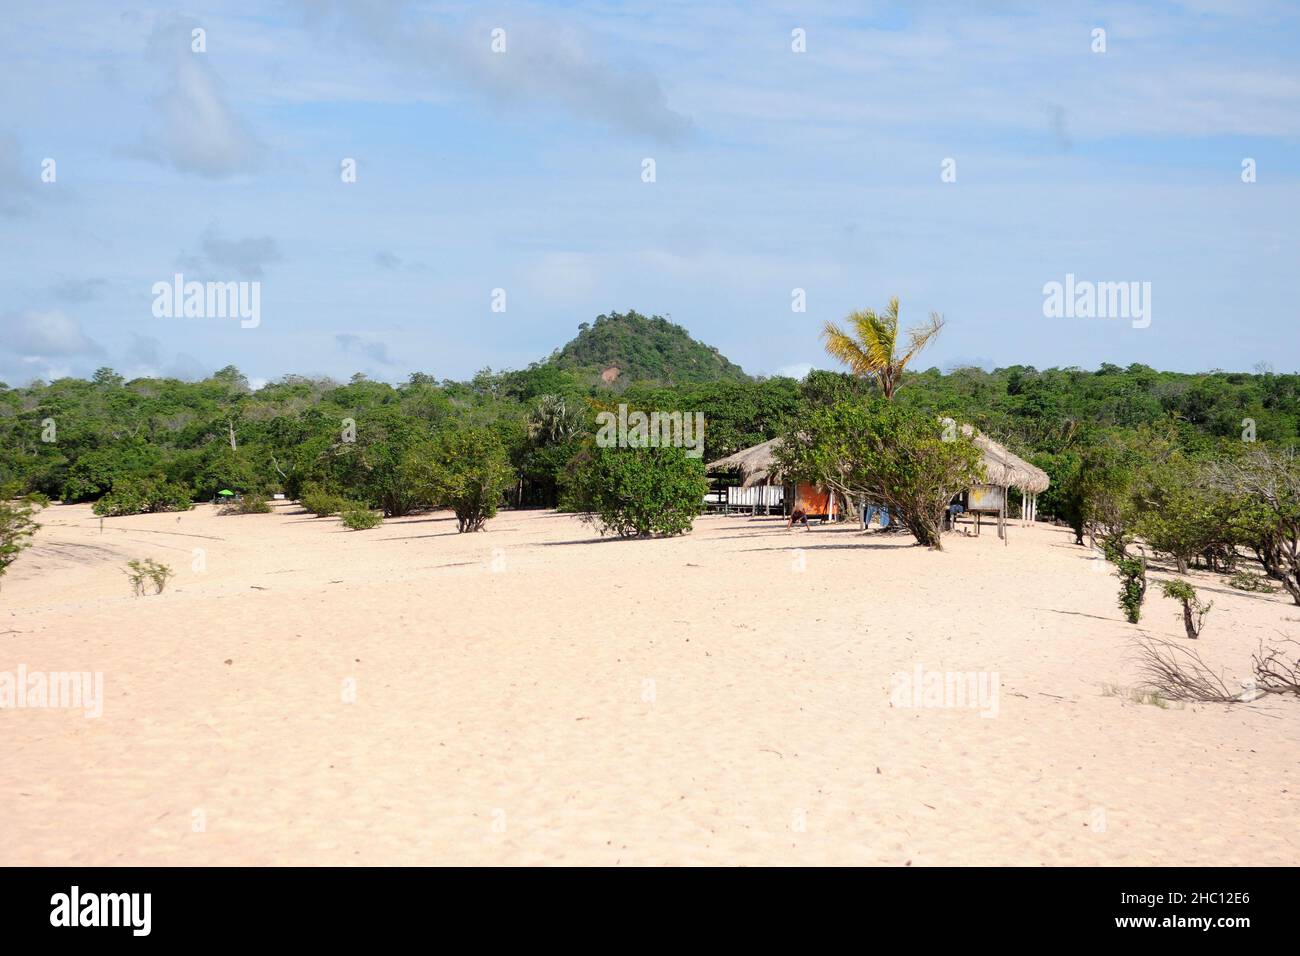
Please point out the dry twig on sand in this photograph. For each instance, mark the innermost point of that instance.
(1178, 673)
(1277, 671)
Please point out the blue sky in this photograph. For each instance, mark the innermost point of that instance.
(521, 170)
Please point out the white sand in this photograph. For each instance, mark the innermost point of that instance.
(695, 700)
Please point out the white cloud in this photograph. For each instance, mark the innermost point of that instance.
(797, 370)
(245, 257)
(42, 335)
(543, 65)
(195, 130)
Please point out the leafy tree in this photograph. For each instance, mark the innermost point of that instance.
(464, 469)
(883, 453)
(1193, 610)
(1177, 515)
(1268, 483)
(16, 530)
(638, 492)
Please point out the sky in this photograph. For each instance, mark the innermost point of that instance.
(960, 156)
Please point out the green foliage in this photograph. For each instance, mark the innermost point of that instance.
(1255, 583)
(322, 503)
(289, 433)
(248, 504)
(642, 349)
(134, 496)
(1133, 587)
(358, 518)
(638, 492)
(143, 573)
(464, 469)
(16, 530)
(368, 464)
(1265, 484)
(881, 453)
(1193, 610)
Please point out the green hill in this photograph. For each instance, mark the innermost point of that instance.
(630, 347)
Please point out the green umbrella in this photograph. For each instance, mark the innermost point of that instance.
(225, 492)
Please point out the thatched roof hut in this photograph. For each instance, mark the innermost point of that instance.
(756, 465)
(1004, 468)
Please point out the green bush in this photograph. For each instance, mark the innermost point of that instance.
(1133, 587)
(359, 518)
(1255, 583)
(135, 496)
(16, 530)
(148, 571)
(320, 502)
(465, 470)
(638, 492)
(249, 504)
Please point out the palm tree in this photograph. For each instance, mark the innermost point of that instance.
(551, 421)
(869, 348)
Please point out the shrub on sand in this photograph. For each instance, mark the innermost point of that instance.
(1133, 587)
(16, 530)
(137, 496)
(250, 504)
(465, 469)
(143, 573)
(322, 503)
(360, 518)
(639, 492)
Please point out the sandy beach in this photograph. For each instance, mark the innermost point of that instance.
(301, 694)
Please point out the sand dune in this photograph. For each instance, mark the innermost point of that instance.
(534, 695)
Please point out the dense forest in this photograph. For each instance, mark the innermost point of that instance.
(72, 439)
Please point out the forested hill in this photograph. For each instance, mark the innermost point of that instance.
(618, 349)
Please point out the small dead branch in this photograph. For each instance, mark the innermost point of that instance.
(1277, 669)
(1178, 673)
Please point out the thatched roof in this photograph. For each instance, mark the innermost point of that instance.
(758, 464)
(755, 464)
(1004, 468)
